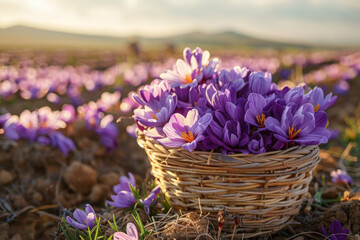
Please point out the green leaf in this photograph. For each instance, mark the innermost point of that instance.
(318, 198)
(135, 192)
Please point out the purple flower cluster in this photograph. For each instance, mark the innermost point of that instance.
(124, 197)
(197, 106)
(40, 126)
(96, 120)
(52, 81)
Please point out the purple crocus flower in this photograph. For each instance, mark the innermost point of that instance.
(128, 103)
(63, 143)
(217, 99)
(187, 97)
(67, 114)
(317, 99)
(13, 130)
(297, 96)
(342, 87)
(340, 176)
(298, 127)
(123, 199)
(255, 114)
(131, 130)
(196, 57)
(53, 98)
(259, 82)
(184, 75)
(4, 118)
(108, 132)
(185, 132)
(108, 100)
(336, 231)
(157, 111)
(131, 233)
(124, 183)
(151, 199)
(83, 219)
(256, 144)
(232, 79)
(227, 131)
(155, 90)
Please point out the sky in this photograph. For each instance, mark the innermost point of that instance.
(307, 21)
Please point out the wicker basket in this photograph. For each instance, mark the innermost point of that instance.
(264, 191)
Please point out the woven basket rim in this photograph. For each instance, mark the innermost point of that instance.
(228, 157)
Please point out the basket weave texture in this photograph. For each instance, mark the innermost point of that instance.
(264, 191)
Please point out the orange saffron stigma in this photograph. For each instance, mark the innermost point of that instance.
(195, 103)
(293, 132)
(188, 136)
(188, 78)
(154, 116)
(261, 120)
(316, 108)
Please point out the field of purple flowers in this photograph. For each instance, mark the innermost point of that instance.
(68, 143)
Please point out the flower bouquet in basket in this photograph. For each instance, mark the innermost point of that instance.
(228, 140)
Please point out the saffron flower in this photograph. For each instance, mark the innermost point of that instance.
(123, 199)
(336, 231)
(187, 131)
(151, 199)
(232, 79)
(340, 176)
(259, 82)
(298, 127)
(184, 75)
(256, 145)
(317, 99)
(228, 130)
(157, 111)
(255, 114)
(124, 183)
(131, 233)
(108, 132)
(83, 219)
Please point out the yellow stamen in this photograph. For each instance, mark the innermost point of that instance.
(188, 136)
(316, 108)
(293, 132)
(188, 78)
(261, 120)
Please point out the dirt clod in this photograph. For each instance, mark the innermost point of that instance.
(5, 177)
(341, 216)
(98, 192)
(16, 237)
(331, 193)
(80, 177)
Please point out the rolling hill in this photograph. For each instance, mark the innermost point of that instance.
(24, 36)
